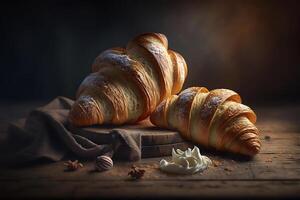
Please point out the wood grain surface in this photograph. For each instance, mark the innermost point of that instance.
(275, 172)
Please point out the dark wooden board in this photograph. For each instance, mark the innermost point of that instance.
(150, 134)
(163, 149)
(155, 141)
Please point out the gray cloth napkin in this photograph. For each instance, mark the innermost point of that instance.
(44, 134)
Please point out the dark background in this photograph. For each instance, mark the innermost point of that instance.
(252, 47)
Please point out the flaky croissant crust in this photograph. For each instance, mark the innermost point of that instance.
(126, 84)
(214, 119)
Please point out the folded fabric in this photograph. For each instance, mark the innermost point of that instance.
(44, 134)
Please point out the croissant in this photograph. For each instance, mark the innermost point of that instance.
(215, 119)
(126, 84)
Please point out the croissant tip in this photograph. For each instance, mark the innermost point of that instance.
(154, 118)
(252, 149)
(83, 114)
(157, 117)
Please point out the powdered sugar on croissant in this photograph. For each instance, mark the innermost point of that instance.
(126, 84)
(214, 119)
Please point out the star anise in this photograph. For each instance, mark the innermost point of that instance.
(73, 165)
(136, 173)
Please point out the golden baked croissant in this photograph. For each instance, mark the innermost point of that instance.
(215, 119)
(128, 83)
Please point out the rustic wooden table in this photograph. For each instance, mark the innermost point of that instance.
(275, 172)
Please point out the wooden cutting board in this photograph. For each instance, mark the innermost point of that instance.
(155, 141)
